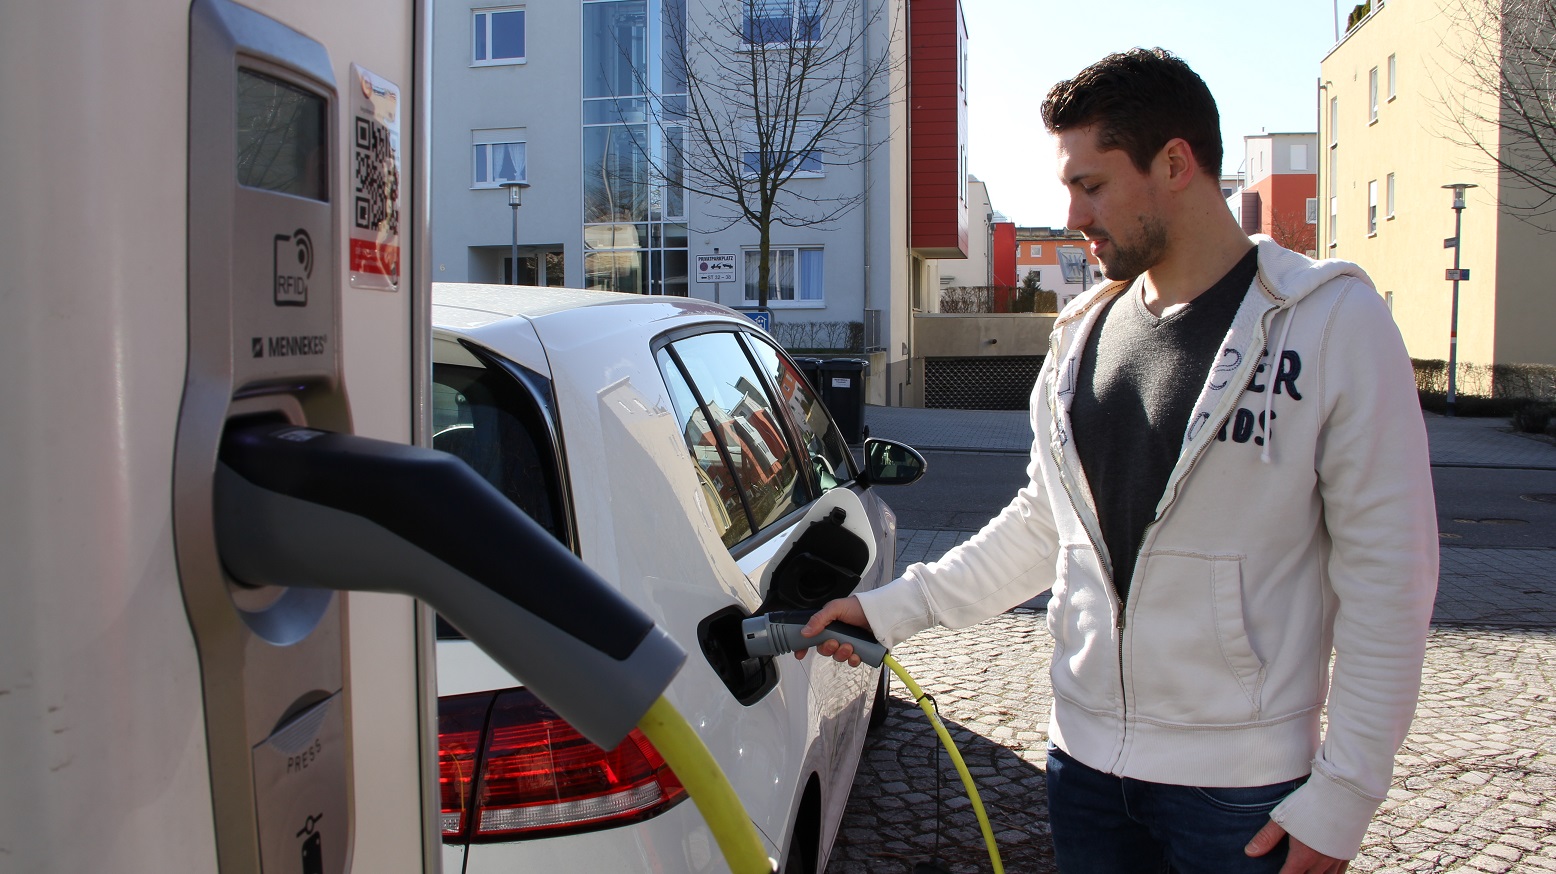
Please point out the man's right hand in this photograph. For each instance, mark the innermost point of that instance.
(846, 609)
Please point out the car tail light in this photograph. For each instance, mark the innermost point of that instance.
(511, 769)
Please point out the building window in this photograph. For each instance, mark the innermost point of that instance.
(1388, 300)
(765, 22)
(1372, 95)
(1392, 87)
(499, 156)
(807, 163)
(1334, 221)
(794, 275)
(1299, 156)
(498, 36)
(1036, 250)
(1372, 208)
(1388, 196)
(1334, 121)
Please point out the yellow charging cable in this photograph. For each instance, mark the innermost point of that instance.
(928, 707)
(704, 780)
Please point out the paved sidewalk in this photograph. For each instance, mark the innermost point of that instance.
(1474, 785)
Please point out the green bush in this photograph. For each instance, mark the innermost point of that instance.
(1532, 417)
(1484, 390)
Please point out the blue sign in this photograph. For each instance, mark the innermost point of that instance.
(763, 319)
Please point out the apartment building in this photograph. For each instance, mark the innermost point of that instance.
(1277, 191)
(572, 96)
(1388, 146)
(1061, 259)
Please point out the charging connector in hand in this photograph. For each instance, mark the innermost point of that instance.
(776, 633)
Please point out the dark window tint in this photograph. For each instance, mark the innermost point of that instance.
(492, 423)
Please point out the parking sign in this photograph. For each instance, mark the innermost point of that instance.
(715, 268)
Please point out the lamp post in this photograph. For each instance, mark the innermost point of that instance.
(1454, 275)
(515, 196)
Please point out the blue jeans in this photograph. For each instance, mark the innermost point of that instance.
(1104, 824)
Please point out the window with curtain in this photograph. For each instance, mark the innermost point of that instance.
(795, 274)
(494, 163)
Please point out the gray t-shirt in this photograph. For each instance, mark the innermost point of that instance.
(1139, 379)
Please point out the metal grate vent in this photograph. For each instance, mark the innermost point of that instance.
(990, 383)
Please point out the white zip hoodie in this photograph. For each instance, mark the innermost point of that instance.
(1299, 521)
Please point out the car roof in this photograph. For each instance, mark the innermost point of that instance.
(464, 305)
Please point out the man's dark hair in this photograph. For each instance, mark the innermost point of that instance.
(1139, 100)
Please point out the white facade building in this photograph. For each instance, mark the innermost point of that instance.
(563, 95)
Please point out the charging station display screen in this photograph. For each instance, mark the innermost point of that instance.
(282, 145)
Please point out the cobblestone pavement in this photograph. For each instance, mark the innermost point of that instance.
(1474, 786)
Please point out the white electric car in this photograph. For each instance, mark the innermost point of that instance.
(682, 455)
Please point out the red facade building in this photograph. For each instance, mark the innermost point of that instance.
(937, 129)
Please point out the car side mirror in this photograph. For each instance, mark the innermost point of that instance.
(889, 463)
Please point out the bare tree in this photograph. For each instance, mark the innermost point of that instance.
(1291, 229)
(776, 92)
(1498, 93)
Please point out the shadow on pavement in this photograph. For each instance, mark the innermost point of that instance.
(890, 823)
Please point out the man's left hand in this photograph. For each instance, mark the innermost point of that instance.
(1300, 858)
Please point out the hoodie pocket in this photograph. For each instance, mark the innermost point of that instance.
(1080, 618)
(1189, 655)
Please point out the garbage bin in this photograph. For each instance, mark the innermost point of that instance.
(811, 368)
(842, 390)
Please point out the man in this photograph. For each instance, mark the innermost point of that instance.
(1229, 484)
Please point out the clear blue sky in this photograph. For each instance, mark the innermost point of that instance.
(1259, 59)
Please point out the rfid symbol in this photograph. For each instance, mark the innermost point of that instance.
(293, 266)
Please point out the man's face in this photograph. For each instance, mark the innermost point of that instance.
(1113, 204)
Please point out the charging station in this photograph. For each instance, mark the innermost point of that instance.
(214, 213)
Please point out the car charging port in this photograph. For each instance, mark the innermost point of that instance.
(723, 643)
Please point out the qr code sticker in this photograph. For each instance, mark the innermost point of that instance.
(377, 178)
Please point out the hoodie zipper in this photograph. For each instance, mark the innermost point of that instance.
(1120, 622)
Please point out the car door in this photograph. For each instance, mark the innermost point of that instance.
(741, 403)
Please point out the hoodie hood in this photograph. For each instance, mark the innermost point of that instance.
(1287, 277)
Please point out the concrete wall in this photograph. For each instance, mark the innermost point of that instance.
(973, 335)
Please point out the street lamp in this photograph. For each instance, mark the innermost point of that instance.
(1454, 275)
(515, 196)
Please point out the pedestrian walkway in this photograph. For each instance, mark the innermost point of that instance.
(1475, 782)
(1485, 442)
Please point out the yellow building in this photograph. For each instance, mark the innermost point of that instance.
(1388, 95)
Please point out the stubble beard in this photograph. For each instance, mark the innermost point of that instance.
(1129, 261)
